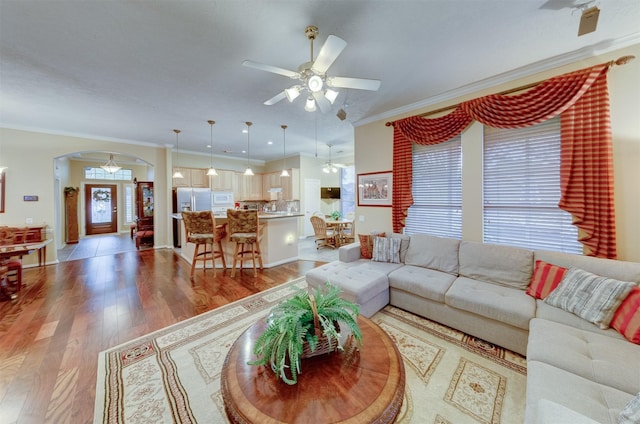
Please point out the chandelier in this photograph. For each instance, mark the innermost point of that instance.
(111, 166)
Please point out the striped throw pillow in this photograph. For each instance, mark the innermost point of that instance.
(631, 413)
(589, 296)
(627, 318)
(545, 278)
(386, 249)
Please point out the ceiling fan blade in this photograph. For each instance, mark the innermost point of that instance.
(329, 52)
(356, 83)
(275, 99)
(270, 68)
(322, 102)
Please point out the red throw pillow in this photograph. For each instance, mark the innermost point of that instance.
(545, 278)
(366, 244)
(627, 318)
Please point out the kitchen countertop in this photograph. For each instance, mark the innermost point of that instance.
(261, 215)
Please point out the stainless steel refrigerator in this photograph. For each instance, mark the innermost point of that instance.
(193, 199)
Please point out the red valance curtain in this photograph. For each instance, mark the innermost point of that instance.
(586, 153)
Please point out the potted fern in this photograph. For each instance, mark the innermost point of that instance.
(305, 325)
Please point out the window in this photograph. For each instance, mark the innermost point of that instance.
(347, 190)
(128, 204)
(522, 189)
(98, 173)
(437, 190)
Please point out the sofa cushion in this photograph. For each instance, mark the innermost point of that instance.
(551, 313)
(437, 253)
(597, 401)
(590, 296)
(501, 303)
(545, 278)
(550, 412)
(612, 268)
(626, 320)
(593, 356)
(424, 282)
(386, 249)
(631, 412)
(329, 272)
(506, 265)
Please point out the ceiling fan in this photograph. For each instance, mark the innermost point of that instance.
(329, 166)
(312, 78)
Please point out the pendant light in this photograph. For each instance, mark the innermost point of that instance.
(177, 174)
(111, 166)
(284, 173)
(248, 171)
(212, 171)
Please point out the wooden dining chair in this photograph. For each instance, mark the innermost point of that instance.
(13, 275)
(202, 230)
(325, 237)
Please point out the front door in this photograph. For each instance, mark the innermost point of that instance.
(101, 208)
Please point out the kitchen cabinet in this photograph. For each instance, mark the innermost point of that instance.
(224, 181)
(193, 177)
(290, 185)
(249, 187)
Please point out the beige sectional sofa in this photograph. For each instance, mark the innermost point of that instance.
(575, 369)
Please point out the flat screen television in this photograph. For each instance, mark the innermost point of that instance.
(330, 192)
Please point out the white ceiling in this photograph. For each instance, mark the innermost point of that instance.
(134, 70)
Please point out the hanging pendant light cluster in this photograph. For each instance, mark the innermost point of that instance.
(284, 173)
(177, 174)
(212, 171)
(111, 166)
(248, 171)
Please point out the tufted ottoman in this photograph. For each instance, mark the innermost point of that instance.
(361, 282)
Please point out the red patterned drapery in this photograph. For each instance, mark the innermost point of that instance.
(586, 156)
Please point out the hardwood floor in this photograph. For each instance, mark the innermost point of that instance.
(66, 314)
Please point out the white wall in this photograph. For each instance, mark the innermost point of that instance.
(373, 152)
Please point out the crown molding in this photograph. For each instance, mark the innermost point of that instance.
(587, 52)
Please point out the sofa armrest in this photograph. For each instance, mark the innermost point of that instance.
(349, 252)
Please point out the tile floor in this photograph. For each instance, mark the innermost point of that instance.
(117, 243)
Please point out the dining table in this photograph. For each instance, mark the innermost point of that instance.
(339, 225)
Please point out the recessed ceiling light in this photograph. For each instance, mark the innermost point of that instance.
(269, 142)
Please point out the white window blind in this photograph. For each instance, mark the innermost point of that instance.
(437, 190)
(522, 189)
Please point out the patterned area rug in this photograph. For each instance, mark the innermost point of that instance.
(173, 375)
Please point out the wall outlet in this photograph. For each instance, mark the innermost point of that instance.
(28, 221)
(361, 218)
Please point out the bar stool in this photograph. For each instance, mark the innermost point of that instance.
(202, 230)
(243, 230)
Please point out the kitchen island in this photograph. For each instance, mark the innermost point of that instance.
(278, 236)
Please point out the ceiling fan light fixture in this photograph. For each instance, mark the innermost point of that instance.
(315, 84)
(310, 106)
(331, 95)
(292, 93)
(111, 166)
(326, 170)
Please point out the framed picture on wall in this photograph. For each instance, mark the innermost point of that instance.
(374, 189)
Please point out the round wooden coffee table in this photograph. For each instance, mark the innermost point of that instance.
(340, 387)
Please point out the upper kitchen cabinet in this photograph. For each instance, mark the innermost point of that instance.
(290, 185)
(224, 181)
(193, 177)
(249, 187)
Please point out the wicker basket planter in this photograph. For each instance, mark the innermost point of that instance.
(306, 325)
